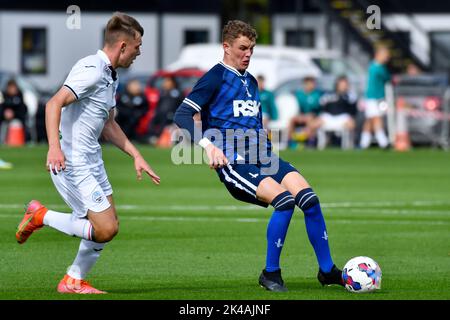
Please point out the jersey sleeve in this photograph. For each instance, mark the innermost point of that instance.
(204, 91)
(82, 80)
(386, 74)
(198, 100)
(273, 109)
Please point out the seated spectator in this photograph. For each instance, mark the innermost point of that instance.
(169, 99)
(338, 110)
(12, 108)
(413, 70)
(131, 107)
(268, 106)
(309, 104)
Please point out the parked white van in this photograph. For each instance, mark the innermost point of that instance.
(276, 64)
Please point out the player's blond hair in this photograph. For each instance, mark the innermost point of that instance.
(236, 28)
(119, 24)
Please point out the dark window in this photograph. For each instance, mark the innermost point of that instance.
(300, 38)
(196, 36)
(402, 37)
(34, 51)
(440, 51)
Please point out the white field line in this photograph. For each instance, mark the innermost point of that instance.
(372, 208)
(360, 206)
(254, 220)
(374, 211)
(261, 220)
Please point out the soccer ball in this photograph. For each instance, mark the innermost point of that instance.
(361, 274)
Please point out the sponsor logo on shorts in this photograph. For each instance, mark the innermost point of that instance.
(97, 197)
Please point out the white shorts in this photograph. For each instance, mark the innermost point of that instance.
(84, 189)
(334, 122)
(375, 108)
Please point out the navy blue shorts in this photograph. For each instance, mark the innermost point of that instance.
(242, 180)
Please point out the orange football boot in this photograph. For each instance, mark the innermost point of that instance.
(72, 285)
(33, 220)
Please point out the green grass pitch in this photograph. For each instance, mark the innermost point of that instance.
(188, 239)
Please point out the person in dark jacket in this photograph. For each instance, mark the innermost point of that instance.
(12, 108)
(169, 100)
(338, 109)
(131, 106)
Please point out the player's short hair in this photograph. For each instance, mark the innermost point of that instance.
(12, 82)
(309, 79)
(236, 28)
(121, 23)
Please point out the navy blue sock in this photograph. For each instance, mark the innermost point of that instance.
(277, 228)
(315, 227)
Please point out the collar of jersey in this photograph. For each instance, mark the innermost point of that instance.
(232, 69)
(103, 56)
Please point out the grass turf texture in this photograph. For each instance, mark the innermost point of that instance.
(188, 239)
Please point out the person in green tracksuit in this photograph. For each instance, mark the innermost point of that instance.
(375, 105)
(268, 105)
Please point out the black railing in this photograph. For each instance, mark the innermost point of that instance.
(352, 16)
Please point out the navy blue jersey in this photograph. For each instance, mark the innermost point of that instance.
(229, 103)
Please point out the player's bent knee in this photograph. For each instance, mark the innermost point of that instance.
(106, 233)
(284, 202)
(104, 236)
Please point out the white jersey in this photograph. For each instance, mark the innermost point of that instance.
(82, 122)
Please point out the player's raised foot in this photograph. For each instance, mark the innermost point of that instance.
(272, 281)
(33, 220)
(72, 285)
(332, 277)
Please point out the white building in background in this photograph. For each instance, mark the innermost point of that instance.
(40, 46)
(423, 31)
(182, 29)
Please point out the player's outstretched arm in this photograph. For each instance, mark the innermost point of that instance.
(113, 133)
(55, 156)
(187, 118)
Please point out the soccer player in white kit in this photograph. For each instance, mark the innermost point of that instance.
(76, 116)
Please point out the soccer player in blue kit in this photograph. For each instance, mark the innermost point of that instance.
(227, 100)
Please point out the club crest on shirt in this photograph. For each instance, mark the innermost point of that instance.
(97, 196)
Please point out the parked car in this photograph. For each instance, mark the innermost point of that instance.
(284, 69)
(333, 65)
(277, 64)
(185, 78)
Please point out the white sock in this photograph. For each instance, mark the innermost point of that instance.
(381, 138)
(88, 253)
(366, 138)
(69, 224)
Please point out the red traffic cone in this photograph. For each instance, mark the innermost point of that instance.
(16, 134)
